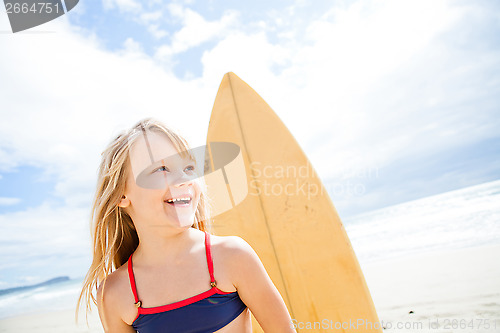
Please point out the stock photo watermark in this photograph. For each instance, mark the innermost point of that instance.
(463, 324)
(26, 14)
(265, 180)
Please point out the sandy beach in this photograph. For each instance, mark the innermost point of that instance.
(454, 291)
(55, 322)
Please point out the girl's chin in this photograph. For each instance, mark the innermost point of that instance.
(181, 221)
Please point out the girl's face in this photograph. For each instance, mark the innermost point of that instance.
(157, 176)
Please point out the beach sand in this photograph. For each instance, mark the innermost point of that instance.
(54, 322)
(454, 291)
(461, 285)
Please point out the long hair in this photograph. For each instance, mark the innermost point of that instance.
(114, 236)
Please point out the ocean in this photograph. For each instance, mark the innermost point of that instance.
(464, 218)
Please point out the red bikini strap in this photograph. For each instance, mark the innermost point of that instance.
(132, 281)
(209, 259)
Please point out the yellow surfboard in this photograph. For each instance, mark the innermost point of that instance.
(289, 218)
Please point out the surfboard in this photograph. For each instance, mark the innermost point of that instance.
(289, 219)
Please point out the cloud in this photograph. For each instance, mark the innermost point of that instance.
(195, 30)
(151, 16)
(123, 5)
(156, 31)
(130, 46)
(153, 22)
(251, 56)
(9, 201)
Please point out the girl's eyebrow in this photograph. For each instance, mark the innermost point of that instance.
(165, 161)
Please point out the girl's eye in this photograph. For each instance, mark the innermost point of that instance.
(162, 168)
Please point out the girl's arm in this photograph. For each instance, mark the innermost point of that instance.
(256, 289)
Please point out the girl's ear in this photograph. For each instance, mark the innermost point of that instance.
(124, 202)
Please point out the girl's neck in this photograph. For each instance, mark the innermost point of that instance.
(170, 246)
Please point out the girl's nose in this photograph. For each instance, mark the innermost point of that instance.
(182, 179)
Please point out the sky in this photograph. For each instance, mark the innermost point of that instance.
(390, 100)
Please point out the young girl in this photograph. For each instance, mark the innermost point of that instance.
(155, 265)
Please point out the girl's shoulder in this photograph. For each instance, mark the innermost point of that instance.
(115, 294)
(237, 262)
(229, 244)
(231, 249)
(118, 279)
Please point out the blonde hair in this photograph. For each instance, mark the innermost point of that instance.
(113, 232)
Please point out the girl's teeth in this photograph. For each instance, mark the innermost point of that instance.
(178, 200)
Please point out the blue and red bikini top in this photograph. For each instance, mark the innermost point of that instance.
(204, 313)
